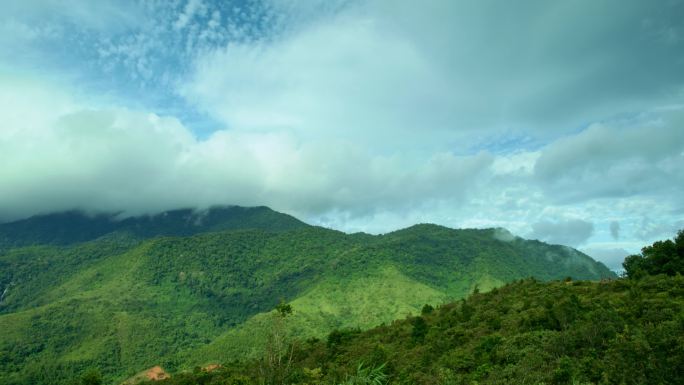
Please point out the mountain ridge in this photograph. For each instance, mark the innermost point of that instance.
(75, 226)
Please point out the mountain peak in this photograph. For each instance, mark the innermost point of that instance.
(76, 226)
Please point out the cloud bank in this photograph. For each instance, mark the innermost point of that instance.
(571, 232)
(119, 159)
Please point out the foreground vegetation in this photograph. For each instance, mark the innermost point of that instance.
(625, 331)
(527, 332)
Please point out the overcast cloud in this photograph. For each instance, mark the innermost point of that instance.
(571, 232)
(560, 121)
(615, 230)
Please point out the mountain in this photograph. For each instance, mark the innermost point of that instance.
(75, 226)
(182, 289)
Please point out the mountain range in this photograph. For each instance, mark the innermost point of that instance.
(186, 287)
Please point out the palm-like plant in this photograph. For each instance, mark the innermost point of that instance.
(367, 376)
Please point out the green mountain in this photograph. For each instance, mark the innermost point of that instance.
(75, 226)
(181, 289)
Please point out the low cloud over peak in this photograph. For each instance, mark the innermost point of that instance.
(571, 232)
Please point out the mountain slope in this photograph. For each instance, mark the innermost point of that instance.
(621, 332)
(123, 302)
(395, 274)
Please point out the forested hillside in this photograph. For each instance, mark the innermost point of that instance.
(130, 299)
(527, 332)
(628, 331)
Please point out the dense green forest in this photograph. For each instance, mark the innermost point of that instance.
(184, 289)
(624, 331)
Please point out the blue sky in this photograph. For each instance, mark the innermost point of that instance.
(560, 121)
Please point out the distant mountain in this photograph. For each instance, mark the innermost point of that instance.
(75, 226)
(183, 289)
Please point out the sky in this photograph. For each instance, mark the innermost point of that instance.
(559, 121)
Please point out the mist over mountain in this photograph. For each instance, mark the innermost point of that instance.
(70, 227)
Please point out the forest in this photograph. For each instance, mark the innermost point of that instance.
(614, 331)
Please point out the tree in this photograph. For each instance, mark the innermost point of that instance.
(283, 309)
(662, 257)
(279, 350)
(635, 266)
(420, 329)
(91, 377)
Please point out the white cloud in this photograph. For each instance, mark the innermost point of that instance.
(347, 80)
(616, 160)
(191, 8)
(118, 159)
(572, 232)
(520, 163)
(452, 71)
(100, 16)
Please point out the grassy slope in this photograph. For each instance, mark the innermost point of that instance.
(122, 304)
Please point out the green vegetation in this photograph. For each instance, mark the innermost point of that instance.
(662, 257)
(75, 227)
(527, 332)
(189, 291)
